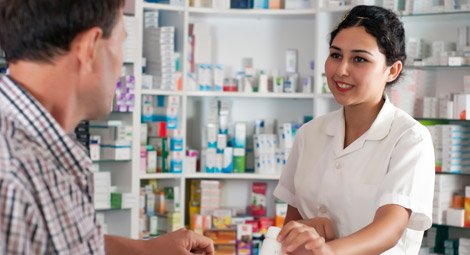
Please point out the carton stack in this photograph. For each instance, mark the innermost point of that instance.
(160, 58)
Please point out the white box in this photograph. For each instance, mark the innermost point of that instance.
(462, 106)
(211, 136)
(456, 61)
(228, 160)
(190, 164)
(455, 217)
(291, 60)
(211, 160)
(143, 133)
(466, 83)
(221, 143)
(152, 161)
(94, 151)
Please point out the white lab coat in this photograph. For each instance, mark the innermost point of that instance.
(392, 163)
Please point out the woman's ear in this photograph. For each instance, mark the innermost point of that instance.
(394, 70)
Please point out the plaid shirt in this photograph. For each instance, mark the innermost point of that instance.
(45, 185)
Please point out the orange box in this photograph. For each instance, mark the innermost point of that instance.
(281, 212)
(467, 206)
(222, 236)
(274, 4)
(458, 202)
(199, 223)
(225, 249)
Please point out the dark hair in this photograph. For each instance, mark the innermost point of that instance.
(39, 30)
(384, 25)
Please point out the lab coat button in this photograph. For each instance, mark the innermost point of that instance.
(338, 165)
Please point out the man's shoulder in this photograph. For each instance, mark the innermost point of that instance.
(17, 151)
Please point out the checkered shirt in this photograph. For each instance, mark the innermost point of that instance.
(45, 184)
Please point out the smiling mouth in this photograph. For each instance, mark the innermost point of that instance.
(343, 86)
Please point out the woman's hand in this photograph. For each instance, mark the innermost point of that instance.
(323, 227)
(300, 239)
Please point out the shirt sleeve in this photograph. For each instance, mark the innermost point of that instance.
(409, 181)
(21, 226)
(285, 189)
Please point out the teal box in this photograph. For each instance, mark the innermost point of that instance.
(239, 138)
(228, 160)
(261, 4)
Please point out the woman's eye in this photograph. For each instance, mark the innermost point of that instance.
(335, 55)
(359, 59)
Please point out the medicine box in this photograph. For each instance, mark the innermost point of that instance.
(462, 106)
(258, 199)
(244, 233)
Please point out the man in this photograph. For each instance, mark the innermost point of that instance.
(65, 57)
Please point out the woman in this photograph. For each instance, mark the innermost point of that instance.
(360, 180)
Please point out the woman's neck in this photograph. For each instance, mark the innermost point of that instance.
(358, 119)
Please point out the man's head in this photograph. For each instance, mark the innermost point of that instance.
(80, 41)
(40, 30)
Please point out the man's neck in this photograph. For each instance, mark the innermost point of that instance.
(53, 86)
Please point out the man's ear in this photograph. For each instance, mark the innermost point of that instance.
(394, 70)
(86, 45)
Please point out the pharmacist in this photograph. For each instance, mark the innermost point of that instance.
(360, 180)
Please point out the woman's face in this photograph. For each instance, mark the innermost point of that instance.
(356, 70)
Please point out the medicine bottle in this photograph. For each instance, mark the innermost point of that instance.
(270, 246)
(256, 243)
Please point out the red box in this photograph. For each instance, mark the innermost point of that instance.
(255, 225)
(258, 199)
(265, 223)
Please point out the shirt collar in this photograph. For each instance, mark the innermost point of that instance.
(25, 111)
(378, 130)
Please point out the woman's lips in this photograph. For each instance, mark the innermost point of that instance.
(343, 86)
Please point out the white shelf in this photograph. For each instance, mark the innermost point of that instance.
(254, 12)
(161, 92)
(111, 209)
(161, 7)
(160, 176)
(324, 95)
(435, 13)
(335, 8)
(249, 95)
(232, 176)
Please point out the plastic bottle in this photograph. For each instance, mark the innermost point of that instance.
(270, 246)
(256, 243)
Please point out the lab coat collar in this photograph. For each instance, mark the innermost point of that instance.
(378, 130)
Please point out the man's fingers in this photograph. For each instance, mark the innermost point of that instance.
(329, 232)
(202, 243)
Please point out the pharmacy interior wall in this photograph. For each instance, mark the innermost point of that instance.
(243, 110)
(264, 39)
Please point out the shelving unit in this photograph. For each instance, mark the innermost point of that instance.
(448, 79)
(275, 31)
(3, 62)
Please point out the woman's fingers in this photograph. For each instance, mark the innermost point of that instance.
(315, 244)
(287, 229)
(299, 241)
(295, 235)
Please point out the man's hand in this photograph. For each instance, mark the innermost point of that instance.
(181, 242)
(323, 227)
